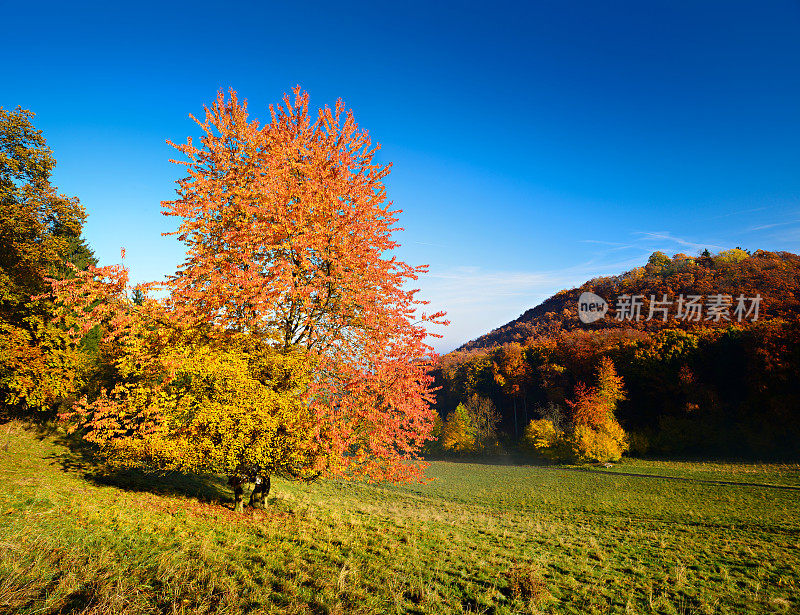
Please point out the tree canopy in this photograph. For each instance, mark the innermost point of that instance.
(40, 238)
(289, 235)
(288, 342)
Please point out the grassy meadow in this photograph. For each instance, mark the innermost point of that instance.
(478, 538)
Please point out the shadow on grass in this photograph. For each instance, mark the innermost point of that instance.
(685, 479)
(505, 458)
(81, 458)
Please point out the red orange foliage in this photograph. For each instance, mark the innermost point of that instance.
(288, 229)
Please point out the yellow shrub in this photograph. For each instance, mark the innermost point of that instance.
(541, 434)
(604, 443)
(224, 410)
(458, 432)
(544, 437)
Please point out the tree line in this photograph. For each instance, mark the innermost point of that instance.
(729, 391)
(774, 277)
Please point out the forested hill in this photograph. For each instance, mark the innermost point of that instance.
(775, 276)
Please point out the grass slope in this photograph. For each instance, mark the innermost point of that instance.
(479, 538)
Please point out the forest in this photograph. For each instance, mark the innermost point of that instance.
(698, 388)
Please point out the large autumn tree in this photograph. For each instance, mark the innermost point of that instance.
(290, 239)
(290, 342)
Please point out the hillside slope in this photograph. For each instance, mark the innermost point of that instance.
(775, 276)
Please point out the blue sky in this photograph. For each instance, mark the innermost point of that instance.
(535, 144)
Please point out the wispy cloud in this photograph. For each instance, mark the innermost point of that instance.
(790, 236)
(669, 239)
(472, 284)
(604, 243)
(763, 227)
(613, 246)
(478, 299)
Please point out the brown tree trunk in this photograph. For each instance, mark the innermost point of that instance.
(516, 431)
(525, 404)
(237, 483)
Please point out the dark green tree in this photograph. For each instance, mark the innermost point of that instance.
(40, 236)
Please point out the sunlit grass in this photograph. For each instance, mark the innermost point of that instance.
(746, 472)
(478, 538)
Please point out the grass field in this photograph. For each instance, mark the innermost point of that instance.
(478, 538)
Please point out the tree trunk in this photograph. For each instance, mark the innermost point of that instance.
(237, 483)
(260, 491)
(516, 431)
(525, 404)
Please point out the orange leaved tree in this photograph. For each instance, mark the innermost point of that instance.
(596, 434)
(593, 433)
(287, 342)
(289, 238)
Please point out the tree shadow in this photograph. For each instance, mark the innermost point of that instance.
(80, 457)
(509, 458)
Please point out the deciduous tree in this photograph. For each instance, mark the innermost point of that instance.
(289, 237)
(171, 397)
(509, 369)
(484, 418)
(39, 239)
(289, 261)
(458, 432)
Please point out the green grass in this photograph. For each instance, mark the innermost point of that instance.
(785, 474)
(478, 538)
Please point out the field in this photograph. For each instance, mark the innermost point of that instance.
(676, 538)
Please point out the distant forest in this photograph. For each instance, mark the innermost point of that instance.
(717, 386)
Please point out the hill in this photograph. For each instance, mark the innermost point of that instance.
(774, 276)
(702, 377)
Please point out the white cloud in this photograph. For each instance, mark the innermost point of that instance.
(478, 300)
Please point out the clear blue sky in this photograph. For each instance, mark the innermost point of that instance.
(535, 144)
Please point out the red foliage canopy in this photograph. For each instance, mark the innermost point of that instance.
(287, 227)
